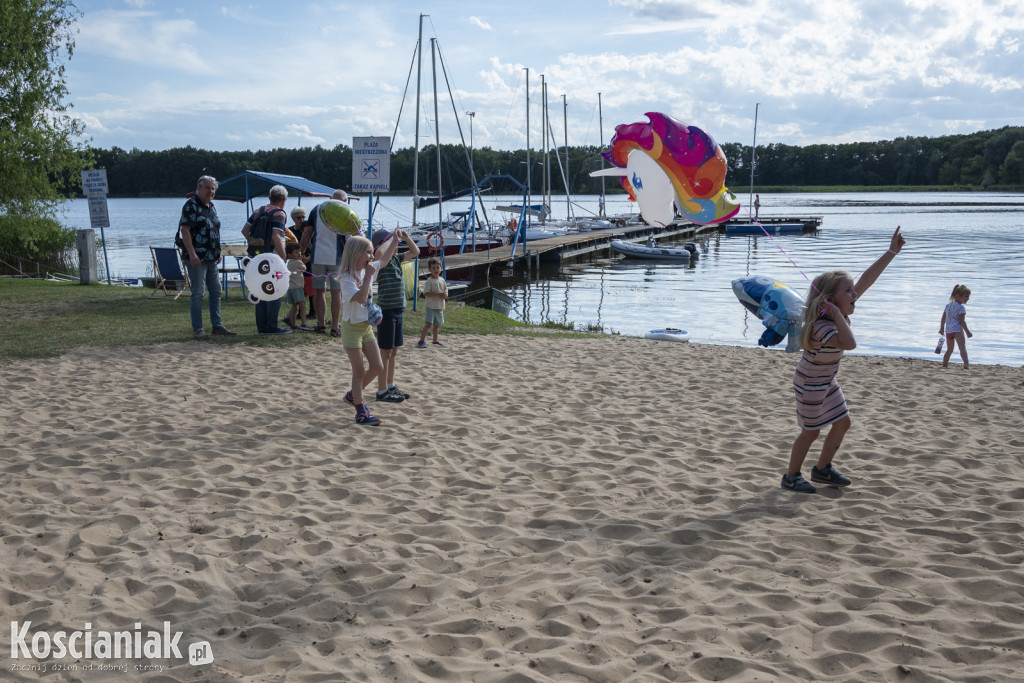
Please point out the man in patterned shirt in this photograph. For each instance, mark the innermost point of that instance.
(200, 250)
(391, 299)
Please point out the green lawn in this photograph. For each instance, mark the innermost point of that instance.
(42, 318)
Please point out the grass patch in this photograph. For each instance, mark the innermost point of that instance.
(43, 318)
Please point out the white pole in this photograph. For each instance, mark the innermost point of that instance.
(753, 161)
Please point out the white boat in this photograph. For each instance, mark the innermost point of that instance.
(668, 334)
(652, 251)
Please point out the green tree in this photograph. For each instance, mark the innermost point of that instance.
(40, 152)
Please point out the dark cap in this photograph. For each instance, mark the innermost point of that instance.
(379, 237)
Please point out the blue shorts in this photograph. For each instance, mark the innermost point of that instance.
(389, 330)
(434, 316)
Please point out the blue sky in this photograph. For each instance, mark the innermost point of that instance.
(155, 74)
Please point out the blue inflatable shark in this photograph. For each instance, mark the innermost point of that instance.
(779, 307)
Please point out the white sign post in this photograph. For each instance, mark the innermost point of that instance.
(371, 169)
(94, 185)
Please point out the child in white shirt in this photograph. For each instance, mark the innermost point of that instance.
(357, 335)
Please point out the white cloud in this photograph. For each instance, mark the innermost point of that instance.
(477, 21)
(825, 71)
(142, 38)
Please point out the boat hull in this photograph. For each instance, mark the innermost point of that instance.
(658, 253)
(489, 297)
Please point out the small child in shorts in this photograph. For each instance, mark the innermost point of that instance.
(435, 290)
(295, 296)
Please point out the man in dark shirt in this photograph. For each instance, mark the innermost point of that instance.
(200, 250)
(268, 311)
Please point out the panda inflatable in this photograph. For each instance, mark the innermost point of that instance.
(266, 277)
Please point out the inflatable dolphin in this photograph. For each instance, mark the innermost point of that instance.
(779, 307)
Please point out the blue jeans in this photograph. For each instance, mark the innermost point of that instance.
(204, 277)
(266, 315)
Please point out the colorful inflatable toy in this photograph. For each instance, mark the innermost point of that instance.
(339, 217)
(667, 161)
(779, 307)
(266, 277)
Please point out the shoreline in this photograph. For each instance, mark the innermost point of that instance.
(541, 508)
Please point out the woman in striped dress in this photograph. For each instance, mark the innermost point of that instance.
(824, 336)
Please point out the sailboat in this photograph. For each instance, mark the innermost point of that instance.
(458, 231)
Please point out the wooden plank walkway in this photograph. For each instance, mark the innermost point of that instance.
(576, 244)
(568, 246)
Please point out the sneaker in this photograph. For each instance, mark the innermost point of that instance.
(398, 392)
(349, 399)
(200, 334)
(364, 417)
(306, 328)
(421, 345)
(829, 475)
(797, 483)
(277, 330)
(438, 344)
(389, 396)
(223, 331)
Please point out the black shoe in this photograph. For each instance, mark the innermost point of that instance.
(389, 396)
(829, 475)
(398, 392)
(223, 331)
(277, 330)
(797, 483)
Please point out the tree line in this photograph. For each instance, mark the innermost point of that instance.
(992, 159)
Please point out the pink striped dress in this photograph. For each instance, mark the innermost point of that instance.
(819, 400)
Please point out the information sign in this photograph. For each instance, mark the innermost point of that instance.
(371, 164)
(94, 182)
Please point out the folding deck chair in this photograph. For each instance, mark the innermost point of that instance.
(167, 271)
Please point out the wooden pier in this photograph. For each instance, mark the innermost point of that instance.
(563, 247)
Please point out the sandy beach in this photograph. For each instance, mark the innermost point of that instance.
(542, 509)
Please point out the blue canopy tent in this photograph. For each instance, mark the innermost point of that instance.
(249, 184)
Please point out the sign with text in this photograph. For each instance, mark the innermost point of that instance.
(94, 182)
(98, 216)
(371, 164)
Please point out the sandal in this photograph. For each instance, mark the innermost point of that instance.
(335, 333)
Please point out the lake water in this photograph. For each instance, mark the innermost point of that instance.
(972, 238)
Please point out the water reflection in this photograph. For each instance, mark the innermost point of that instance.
(964, 242)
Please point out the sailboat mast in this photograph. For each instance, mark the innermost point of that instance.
(437, 138)
(416, 141)
(600, 134)
(753, 159)
(529, 184)
(565, 127)
(545, 174)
